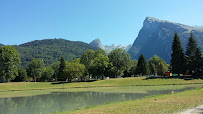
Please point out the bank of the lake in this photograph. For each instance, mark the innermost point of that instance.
(159, 104)
(55, 97)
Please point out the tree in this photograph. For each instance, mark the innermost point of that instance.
(157, 65)
(99, 65)
(22, 76)
(178, 60)
(191, 46)
(99, 52)
(132, 69)
(35, 68)
(194, 58)
(120, 60)
(47, 74)
(62, 66)
(73, 70)
(55, 67)
(142, 66)
(198, 63)
(86, 59)
(9, 60)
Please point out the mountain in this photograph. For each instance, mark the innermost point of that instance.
(156, 37)
(1, 45)
(51, 50)
(97, 43)
(108, 48)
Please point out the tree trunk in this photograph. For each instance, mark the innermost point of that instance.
(35, 79)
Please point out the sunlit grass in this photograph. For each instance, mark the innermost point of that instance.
(160, 104)
(118, 89)
(138, 81)
(163, 104)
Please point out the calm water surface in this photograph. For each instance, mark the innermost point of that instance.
(63, 101)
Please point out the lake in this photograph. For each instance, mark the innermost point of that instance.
(63, 100)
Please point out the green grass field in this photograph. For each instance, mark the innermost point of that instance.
(169, 103)
(118, 82)
(160, 104)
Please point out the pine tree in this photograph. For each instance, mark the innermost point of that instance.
(62, 66)
(198, 70)
(194, 59)
(178, 60)
(191, 46)
(142, 66)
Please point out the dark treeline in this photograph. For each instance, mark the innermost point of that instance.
(98, 65)
(189, 63)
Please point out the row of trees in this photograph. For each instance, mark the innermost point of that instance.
(97, 64)
(92, 64)
(191, 62)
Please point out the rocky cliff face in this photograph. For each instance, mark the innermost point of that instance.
(108, 48)
(156, 37)
(97, 43)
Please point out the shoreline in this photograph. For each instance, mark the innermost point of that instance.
(166, 103)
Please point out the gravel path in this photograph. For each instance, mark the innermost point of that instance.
(197, 110)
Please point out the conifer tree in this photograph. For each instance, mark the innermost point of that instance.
(62, 66)
(191, 46)
(142, 66)
(193, 53)
(198, 63)
(178, 60)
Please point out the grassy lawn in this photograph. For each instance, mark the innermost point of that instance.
(121, 89)
(169, 103)
(118, 82)
(119, 85)
(160, 104)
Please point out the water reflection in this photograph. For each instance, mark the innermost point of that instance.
(62, 101)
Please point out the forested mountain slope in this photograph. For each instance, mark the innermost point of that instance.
(51, 50)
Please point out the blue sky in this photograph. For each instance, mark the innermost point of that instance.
(112, 21)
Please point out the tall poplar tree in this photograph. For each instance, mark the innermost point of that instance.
(178, 60)
(62, 67)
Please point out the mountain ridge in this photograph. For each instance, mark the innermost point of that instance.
(156, 37)
(108, 48)
(97, 43)
(1, 45)
(51, 50)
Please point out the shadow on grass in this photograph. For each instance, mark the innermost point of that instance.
(175, 77)
(63, 82)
